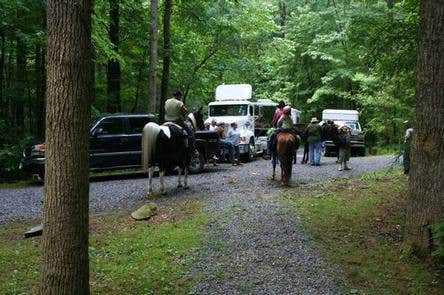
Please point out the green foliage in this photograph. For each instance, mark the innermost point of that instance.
(438, 240)
(313, 54)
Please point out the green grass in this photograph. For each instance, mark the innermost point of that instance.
(127, 257)
(357, 225)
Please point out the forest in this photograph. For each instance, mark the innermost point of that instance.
(314, 54)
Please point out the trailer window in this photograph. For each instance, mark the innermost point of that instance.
(228, 110)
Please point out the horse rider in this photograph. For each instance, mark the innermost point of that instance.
(283, 124)
(278, 113)
(175, 112)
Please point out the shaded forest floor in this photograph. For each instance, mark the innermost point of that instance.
(356, 225)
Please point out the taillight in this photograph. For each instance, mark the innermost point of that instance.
(41, 148)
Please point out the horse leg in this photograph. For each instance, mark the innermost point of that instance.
(273, 162)
(179, 183)
(150, 180)
(162, 185)
(185, 179)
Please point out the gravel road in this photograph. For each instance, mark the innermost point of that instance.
(253, 244)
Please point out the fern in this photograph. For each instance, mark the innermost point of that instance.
(438, 239)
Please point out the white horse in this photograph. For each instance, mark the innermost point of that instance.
(166, 146)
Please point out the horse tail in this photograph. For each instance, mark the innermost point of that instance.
(149, 137)
(286, 146)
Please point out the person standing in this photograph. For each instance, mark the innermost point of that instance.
(176, 111)
(407, 149)
(344, 144)
(313, 134)
(234, 137)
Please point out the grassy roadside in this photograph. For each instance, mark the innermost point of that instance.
(357, 225)
(127, 257)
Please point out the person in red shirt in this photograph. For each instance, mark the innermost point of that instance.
(278, 113)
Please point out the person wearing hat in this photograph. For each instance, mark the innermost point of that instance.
(344, 145)
(176, 111)
(313, 135)
(285, 121)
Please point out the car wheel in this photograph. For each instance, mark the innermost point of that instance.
(250, 153)
(197, 162)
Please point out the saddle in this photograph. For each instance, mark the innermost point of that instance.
(180, 128)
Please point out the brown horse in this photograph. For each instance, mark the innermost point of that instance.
(287, 144)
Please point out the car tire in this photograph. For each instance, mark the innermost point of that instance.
(197, 162)
(249, 156)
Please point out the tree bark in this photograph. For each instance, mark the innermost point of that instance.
(426, 185)
(152, 95)
(168, 9)
(113, 72)
(2, 66)
(65, 265)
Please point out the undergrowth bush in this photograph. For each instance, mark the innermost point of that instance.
(438, 240)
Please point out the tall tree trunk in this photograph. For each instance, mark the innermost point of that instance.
(426, 186)
(113, 73)
(3, 105)
(168, 9)
(20, 84)
(282, 6)
(39, 104)
(152, 95)
(139, 81)
(65, 268)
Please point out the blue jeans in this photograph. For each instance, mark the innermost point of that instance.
(230, 147)
(314, 152)
(236, 152)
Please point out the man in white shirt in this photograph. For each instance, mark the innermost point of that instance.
(234, 138)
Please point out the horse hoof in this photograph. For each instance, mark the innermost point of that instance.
(186, 187)
(179, 185)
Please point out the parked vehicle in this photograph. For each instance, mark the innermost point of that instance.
(233, 104)
(351, 119)
(115, 143)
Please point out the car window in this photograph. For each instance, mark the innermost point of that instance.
(111, 126)
(136, 124)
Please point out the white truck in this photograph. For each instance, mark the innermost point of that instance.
(233, 104)
(351, 119)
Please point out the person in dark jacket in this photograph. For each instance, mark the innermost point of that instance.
(313, 135)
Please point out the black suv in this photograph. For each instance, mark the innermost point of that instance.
(115, 142)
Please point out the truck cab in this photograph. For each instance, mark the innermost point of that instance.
(233, 104)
